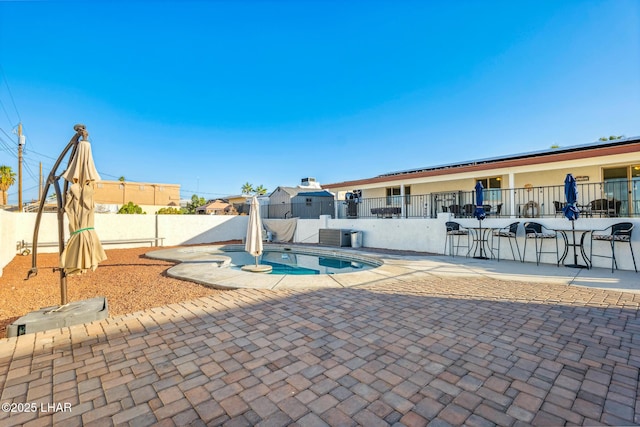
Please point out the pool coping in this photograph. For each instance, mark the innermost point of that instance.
(196, 264)
(200, 264)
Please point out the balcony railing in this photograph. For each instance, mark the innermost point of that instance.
(603, 199)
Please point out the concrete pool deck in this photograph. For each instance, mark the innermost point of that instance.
(200, 264)
(440, 342)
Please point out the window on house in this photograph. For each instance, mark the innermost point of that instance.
(492, 189)
(308, 201)
(394, 198)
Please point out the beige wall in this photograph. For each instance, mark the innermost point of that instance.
(538, 175)
(140, 193)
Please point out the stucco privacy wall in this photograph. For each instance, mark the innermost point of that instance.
(175, 229)
(414, 234)
(428, 235)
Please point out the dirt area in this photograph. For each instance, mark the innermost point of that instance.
(128, 280)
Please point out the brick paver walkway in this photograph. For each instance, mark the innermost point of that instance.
(435, 352)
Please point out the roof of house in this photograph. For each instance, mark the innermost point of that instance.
(212, 206)
(549, 155)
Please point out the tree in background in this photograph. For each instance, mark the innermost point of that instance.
(247, 188)
(7, 179)
(131, 208)
(195, 203)
(169, 211)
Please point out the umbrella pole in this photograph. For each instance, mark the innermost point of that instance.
(573, 232)
(60, 214)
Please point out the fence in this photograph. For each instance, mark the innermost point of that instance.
(306, 210)
(620, 198)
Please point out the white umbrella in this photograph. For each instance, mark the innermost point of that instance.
(253, 243)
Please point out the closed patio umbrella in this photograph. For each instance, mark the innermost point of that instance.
(83, 251)
(572, 212)
(253, 243)
(480, 214)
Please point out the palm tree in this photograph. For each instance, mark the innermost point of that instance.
(260, 190)
(7, 179)
(247, 188)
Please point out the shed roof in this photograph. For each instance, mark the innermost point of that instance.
(322, 193)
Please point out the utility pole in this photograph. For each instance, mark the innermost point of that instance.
(20, 146)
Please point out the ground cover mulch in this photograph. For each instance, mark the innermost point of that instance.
(130, 282)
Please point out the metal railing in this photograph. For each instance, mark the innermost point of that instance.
(311, 209)
(619, 198)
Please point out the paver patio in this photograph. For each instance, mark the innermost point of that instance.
(432, 351)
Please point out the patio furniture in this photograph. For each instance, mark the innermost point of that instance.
(456, 210)
(538, 232)
(509, 232)
(490, 212)
(559, 206)
(605, 207)
(468, 210)
(455, 229)
(616, 233)
(530, 210)
(387, 212)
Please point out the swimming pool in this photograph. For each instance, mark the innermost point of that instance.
(287, 261)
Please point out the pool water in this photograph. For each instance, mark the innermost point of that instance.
(300, 264)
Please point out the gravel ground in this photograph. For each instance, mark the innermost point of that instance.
(128, 280)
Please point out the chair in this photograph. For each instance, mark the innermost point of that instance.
(616, 233)
(538, 232)
(456, 210)
(559, 206)
(469, 209)
(510, 232)
(605, 207)
(454, 229)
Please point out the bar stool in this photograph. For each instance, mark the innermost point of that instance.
(510, 232)
(618, 233)
(538, 232)
(454, 229)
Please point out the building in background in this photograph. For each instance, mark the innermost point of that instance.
(111, 195)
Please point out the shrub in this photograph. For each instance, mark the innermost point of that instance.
(131, 208)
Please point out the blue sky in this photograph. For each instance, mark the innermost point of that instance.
(212, 94)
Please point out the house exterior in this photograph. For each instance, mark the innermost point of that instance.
(604, 169)
(216, 207)
(111, 195)
(240, 203)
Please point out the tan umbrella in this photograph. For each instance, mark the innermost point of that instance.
(253, 243)
(83, 251)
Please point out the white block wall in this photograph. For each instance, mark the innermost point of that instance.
(412, 234)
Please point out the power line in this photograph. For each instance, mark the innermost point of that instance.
(6, 82)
